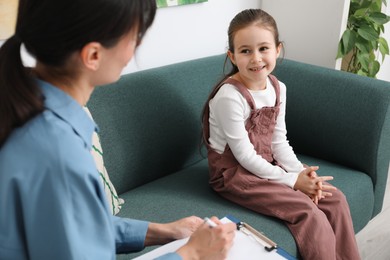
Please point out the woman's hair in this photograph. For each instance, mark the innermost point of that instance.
(242, 20)
(51, 31)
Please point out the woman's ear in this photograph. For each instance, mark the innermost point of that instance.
(231, 57)
(91, 55)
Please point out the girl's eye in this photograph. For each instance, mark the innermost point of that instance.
(245, 51)
(263, 49)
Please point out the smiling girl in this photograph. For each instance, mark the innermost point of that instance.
(250, 160)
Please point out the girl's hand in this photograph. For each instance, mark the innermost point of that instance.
(318, 196)
(209, 242)
(309, 183)
(323, 189)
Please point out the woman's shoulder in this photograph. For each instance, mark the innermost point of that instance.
(45, 148)
(43, 138)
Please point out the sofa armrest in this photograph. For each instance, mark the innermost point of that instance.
(340, 117)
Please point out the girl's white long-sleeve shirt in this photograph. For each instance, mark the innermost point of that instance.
(229, 112)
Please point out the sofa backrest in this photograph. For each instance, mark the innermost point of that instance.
(338, 116)
(150, 120)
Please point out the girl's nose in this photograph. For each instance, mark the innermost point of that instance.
(257, 57)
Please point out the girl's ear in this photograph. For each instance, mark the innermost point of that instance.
(91, 55)
(231, 57)
(279, 49)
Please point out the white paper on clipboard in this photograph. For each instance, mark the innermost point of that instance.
(244, 247)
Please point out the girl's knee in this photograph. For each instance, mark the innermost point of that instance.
(338, 198)
(308, 212)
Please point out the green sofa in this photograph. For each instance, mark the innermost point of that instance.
(151, 129)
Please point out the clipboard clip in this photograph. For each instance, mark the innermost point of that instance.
(268, 244)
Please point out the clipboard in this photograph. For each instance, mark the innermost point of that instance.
(268, 244)
(245, 246)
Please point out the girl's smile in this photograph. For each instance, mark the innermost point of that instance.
(257, 69)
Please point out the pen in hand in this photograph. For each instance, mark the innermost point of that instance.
(210, 222)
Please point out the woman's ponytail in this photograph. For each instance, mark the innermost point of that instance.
(51, 31)
(20, 97)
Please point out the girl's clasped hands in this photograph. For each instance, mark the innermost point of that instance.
(313, 185)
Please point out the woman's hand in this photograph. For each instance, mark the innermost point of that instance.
(209, 242)
(185, 227)
(159, 234)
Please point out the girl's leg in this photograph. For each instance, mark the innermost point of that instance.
(336, 209)
(308, 224)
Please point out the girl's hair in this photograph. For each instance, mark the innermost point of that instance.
(242, 20)
(52, 30)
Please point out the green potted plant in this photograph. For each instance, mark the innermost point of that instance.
(361, 43)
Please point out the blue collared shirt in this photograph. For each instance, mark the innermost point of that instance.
(52, 203)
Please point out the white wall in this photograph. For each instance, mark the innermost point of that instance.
(310, 29)
(188, 32)
(384, 72)
(184, 32)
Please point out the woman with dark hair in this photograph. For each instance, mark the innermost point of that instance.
(52, 202)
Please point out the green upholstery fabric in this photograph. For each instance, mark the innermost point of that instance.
(150, 132)
(150, 120)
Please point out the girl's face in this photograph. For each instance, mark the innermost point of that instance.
(255, 54)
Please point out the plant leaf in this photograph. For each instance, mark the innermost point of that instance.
(340, 52)
(361, 73)
(376, 6)
(373, 68)
(348, 41)
(383, 43)
(362, 47)
(378, 18)
(368, 33)
(366, 3)
(383, 47)
(364, 60)
(362, 12)
(381, 28)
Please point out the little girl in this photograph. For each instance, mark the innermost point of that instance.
(251, 162)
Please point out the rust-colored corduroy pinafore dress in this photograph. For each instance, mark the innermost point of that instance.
(322, 231)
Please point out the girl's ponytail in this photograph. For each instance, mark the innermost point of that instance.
(20, 97)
